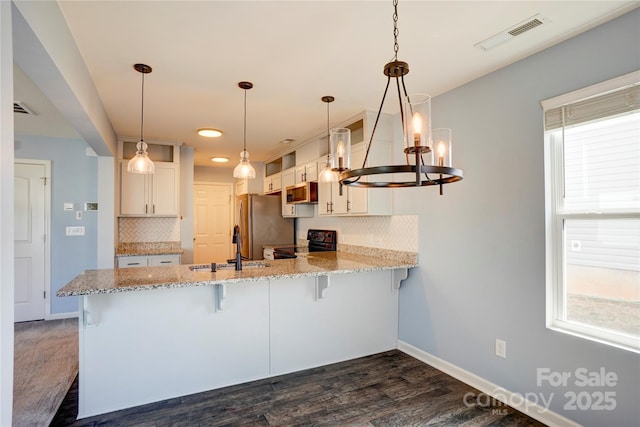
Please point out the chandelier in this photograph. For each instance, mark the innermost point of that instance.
(427, 150)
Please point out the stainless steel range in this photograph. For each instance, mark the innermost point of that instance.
(319, 241)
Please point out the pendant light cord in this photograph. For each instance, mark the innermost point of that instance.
(245, 120)
(396, 47)
(395, 30)
(142, 110)
(328, 136)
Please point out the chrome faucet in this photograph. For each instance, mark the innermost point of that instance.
(238, 241)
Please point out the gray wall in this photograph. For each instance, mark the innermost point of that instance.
(482, 246)
(74, 178)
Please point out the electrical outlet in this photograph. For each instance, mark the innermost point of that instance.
(501, 348)
(75, 231)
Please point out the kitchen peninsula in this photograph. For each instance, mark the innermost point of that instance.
(153, 333)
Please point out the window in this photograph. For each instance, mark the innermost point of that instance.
(592, 192)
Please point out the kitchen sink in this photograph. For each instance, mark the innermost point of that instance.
(229, 266)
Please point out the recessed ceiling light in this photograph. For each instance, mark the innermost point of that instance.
(210, 132)
(287, 141)
(220, 159)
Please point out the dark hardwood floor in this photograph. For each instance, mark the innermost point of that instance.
(386, 389)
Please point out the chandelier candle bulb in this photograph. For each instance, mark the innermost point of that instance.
(442, 143)
(418, 128)
(340, 145)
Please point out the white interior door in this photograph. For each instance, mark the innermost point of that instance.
(30, 240)
(212, 222)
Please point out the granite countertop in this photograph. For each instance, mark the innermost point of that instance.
(148, 248)
(93, 282)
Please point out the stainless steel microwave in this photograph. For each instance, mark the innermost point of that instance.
(305, 192)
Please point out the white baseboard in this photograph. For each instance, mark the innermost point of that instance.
(59, 316)
(516, 401)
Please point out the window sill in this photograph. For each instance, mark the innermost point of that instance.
(620, 341)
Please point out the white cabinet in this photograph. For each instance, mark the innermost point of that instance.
(242, 186)
(291, 210)
(307, 172)
(333, 200)
(149, 195)
(155, 194)
(361, 201)
(313, 325)
(272, 183)
(148, 261)
(132, 261)
(163, 260)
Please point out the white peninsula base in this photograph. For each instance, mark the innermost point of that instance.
(142, 347)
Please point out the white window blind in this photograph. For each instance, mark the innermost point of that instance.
(614, 103)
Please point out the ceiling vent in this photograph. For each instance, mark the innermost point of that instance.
(512, 32)
(21, 108)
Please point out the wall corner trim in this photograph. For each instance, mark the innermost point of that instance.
(532, 409)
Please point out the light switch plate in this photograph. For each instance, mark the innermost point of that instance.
(75, 231)
(501, 348)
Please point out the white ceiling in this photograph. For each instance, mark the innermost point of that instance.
(294, 52)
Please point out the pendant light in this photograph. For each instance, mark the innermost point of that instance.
(328, 174)
(418, 137)
(244, 168)
(141, 163)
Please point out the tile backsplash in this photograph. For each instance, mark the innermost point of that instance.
(148, 229)
(397, 232)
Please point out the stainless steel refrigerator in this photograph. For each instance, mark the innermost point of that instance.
(261, 223)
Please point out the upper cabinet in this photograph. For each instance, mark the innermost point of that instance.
(337, 200)
(307, 161)
(307, 172)
(242, 186)
(156, 194)
(272, 183)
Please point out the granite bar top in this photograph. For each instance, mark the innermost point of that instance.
(93, 282)
(148, 248)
